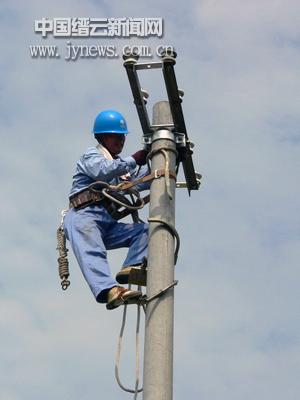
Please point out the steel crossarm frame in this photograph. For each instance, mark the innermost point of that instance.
(167, 66)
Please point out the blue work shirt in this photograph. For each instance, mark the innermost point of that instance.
(93, 166)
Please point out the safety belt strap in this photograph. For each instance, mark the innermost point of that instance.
(156, 174)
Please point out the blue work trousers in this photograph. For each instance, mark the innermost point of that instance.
(91, 232)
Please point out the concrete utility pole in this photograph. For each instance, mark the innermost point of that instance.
(158, 359)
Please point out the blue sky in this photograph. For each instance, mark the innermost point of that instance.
(237, 324)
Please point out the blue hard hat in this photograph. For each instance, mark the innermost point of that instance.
(110, 121)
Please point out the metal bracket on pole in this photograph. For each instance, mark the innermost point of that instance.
(146, 300)
(175, 95)
(184, 184)
(178, 138)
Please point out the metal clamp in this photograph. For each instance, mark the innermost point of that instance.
(178, 138)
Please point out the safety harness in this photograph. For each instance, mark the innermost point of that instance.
(97, 194)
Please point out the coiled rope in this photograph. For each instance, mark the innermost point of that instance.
(63, 264)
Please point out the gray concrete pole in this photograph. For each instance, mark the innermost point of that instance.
(158, 357)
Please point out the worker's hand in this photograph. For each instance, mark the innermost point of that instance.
(140, 157)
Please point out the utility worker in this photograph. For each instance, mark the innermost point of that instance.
(90, 225)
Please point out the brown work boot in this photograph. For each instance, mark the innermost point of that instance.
(122, 276)
(118, 296)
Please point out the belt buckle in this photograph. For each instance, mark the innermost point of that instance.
(157, 173)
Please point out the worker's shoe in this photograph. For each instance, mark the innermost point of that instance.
(118, 296)
(123, 275)
(135, 275)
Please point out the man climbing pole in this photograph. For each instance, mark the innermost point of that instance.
(90, 223)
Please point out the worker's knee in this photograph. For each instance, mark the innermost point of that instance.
(143, 228)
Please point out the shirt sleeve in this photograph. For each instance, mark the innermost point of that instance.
(98, 168)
